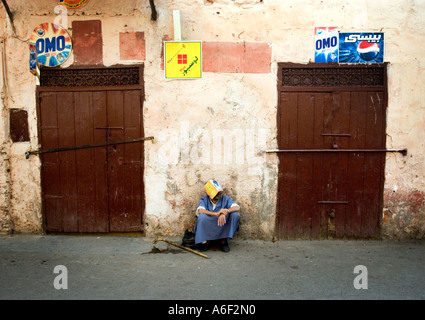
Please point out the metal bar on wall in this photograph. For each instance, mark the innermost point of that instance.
(154, 14)
(9, 13)
(402, 151)
(28, 153)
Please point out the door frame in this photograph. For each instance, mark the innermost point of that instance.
(330, 77)
(90, 78)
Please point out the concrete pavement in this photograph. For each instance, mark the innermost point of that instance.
(124, 267)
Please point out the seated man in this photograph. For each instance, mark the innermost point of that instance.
(218, 218)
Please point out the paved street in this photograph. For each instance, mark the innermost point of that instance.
(120, 267)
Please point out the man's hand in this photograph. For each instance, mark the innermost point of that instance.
(221, 220)
(222, 217)
(223, 211)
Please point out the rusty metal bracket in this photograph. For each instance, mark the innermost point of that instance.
(154, 14)
(28, 153)
(6, 7)
(403, 151)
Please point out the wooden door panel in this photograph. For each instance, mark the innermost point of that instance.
(97, 189)
(58, 170)
(334, 165)
(100, 165)
(375, 121)
(355, 168)
(355, 195)
(115, 111)
(91, 163)
(321, 101)
(287, 134)
(133, 161)
(86, 188)
(125, 161)
(304, 180)
(374, 163)
(67, 160)
(373, 168)
(330, 194)
(50, 168)
(358, 120)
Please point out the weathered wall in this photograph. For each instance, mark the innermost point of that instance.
(405, 184)
(185, 116)
(5, 195)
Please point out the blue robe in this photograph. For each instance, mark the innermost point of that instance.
(206, 227)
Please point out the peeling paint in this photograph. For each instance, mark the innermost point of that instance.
(404, 214)
(6, 224)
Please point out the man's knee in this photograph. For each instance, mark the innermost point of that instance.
(202, 218)
(234, 216)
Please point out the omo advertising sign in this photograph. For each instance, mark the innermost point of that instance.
(326, 42)
(183, 60)
(52, 44)
(361, 47)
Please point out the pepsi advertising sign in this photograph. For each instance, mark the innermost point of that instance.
(361, 47)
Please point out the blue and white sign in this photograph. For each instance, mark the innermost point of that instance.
(326, 43)
(52, 44)
(364, 47)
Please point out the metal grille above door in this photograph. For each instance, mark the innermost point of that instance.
(324, 108)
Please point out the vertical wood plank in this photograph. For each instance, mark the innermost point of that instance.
(115, 115)
(50, 173)
(374, 164)
(330, 167)
(355, 173)
(287, 165)
(342, 127)
(84, 163)
(132, 164)
(319, 106)
(93, 214)
(67, 161)
(304, 190)
(100, 162)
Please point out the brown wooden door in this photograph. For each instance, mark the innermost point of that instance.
(326, 194)
(96, 189)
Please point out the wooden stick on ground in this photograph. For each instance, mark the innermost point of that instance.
(182, 247)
